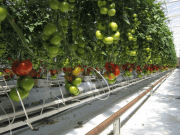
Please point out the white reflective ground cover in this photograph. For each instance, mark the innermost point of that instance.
(160, 115)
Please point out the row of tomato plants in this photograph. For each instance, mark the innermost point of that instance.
(25, 74)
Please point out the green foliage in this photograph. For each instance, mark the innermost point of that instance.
(146, 30)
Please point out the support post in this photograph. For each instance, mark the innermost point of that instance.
(116, 126)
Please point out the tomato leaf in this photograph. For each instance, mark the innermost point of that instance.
(125, 18)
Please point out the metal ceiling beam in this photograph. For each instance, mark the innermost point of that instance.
(173, 1)
(172, 16)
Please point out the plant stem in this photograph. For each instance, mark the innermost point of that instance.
(23, 39)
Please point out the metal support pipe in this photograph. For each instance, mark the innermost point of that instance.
(117, 127)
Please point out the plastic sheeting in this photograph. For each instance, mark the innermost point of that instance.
(172, 11)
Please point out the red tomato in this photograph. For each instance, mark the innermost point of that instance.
(64, 69)
(33, 73)
(130, 69)
(109, 66)
(148, 68)
(69, 69)
(89, 69)
(124, 67)
(117, 71)
(38, 75)
(7, 70)
(39, 70)
(53, 72)
(138, 67)
(24, 67)
(11, 75)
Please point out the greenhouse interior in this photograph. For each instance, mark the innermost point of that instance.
(89, 67)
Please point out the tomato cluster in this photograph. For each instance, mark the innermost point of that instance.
(24, 83)
(72, 79)
(112, 72)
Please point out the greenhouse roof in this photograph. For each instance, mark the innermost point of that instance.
(172, 11)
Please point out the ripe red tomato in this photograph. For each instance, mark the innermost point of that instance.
(130, 69)
(24, 67)
(109, 66)
(138, 67)
(7, 70)
(33, 73)
(116, 71)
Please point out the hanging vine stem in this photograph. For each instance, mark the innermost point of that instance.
(66, 42)
(23, 39)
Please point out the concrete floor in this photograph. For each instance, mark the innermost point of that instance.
(160, 115)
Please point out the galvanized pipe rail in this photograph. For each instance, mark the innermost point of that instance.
(102, 126)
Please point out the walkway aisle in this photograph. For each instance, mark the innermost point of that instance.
(160, 115)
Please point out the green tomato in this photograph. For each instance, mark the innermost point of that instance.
(116, 36)
(132, 53)
(53, 50)
(3, 13)
(27, 83)
(67, 85)
(74, 47)
(80, 50)
(0, 73)
(129, 34)
(45, 37)
(108, 40)
(112, 12)
(82, 44)
(112, 81)
(130, 38)
(113, 26)
(77, 93)
(63, 22)
(99, 35)
(13, 94)
(54, 4)
(113, 5)
(135, 20)
(55, 40)
(135, 15)
(101, 3)
(133, 31)
(46, 45)
(73, 89)
(77, 82)
(49, 29)
(103, 10)
(64, 6)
